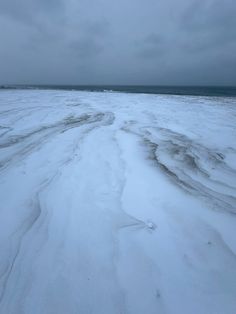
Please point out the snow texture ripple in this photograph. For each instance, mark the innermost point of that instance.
(117, 203)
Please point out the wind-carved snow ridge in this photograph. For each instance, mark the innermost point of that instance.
(199, 170)
(196, 168)
(92, 216)
(33, 138)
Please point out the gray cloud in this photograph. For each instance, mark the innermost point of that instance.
(125, 42)
(152, 46)
(87, 48)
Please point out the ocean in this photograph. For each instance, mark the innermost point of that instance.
(215, 91)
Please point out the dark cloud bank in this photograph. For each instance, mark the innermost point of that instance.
(154, 42)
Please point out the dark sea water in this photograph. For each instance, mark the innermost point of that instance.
(169, 90)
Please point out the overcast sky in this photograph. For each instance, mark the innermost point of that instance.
(158, 42)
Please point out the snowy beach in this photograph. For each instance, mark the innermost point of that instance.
(117, 203)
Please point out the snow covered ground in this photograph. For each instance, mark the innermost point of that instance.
(117, 203)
